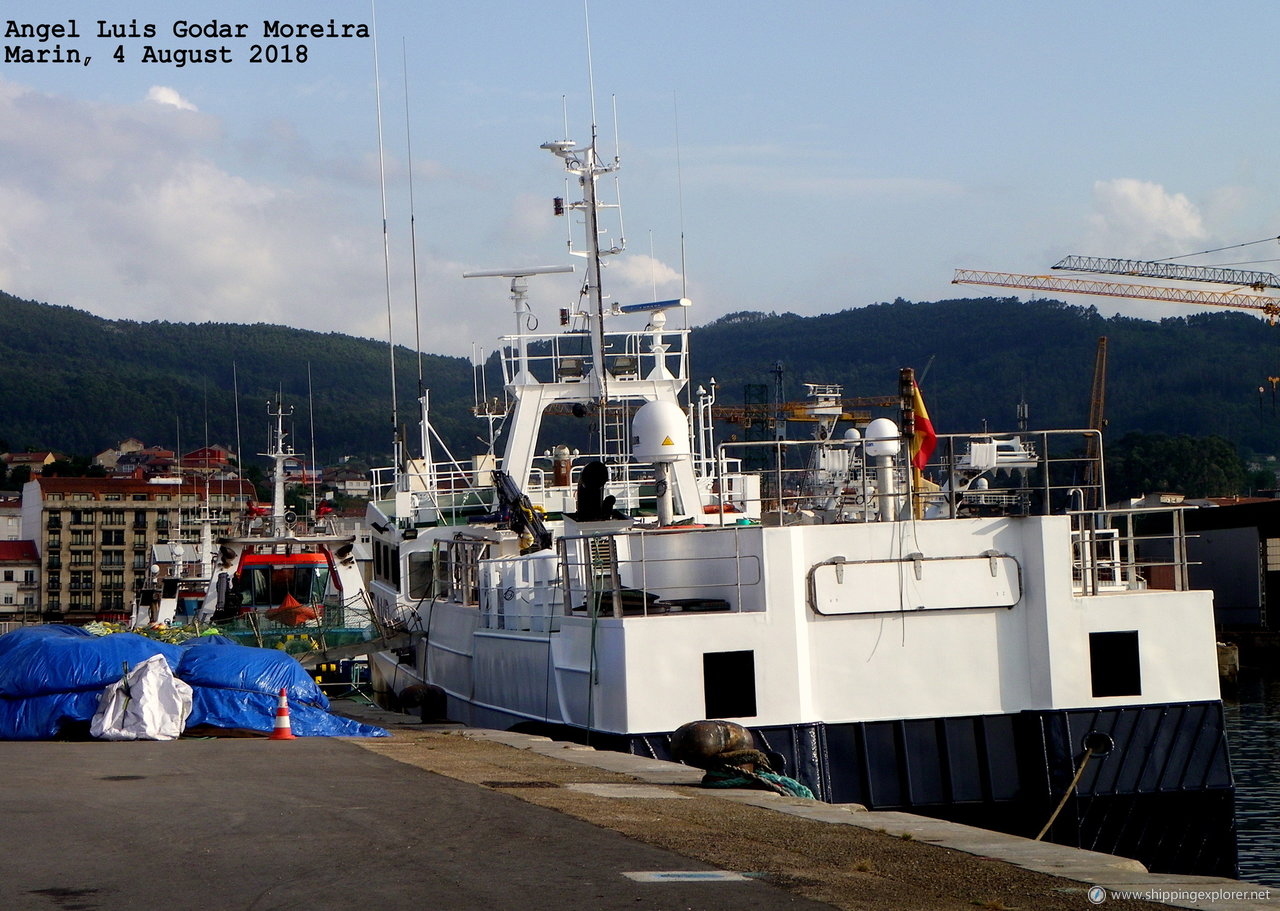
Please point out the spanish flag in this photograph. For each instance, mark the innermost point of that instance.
(925, 439)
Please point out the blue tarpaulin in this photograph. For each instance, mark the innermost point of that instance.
(52, 675)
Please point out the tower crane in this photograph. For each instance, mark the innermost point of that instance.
(1243, 278)
(1268, 306)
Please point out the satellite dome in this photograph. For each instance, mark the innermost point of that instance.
(882, 438)
(659, 433)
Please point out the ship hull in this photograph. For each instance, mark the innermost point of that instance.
(1163, 795)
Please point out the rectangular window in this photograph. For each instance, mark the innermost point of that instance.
(1114, 665)
(420, 575)
(729, 684)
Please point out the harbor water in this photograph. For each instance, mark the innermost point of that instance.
(1253, 734)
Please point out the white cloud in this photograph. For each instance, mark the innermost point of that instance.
(162, 94)
(639, 278)
(1137, 219)
(130, 212)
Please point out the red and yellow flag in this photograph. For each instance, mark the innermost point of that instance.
(925, 439)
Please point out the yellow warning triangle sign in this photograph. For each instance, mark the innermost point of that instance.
(667, 442)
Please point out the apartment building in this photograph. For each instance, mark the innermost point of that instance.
(10, 517)
(94, 536)
(19, 586)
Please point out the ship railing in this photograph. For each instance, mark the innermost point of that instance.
(1129, 549)
(805, 481)
(449, 491)
(985, 474)
(565, 357)
(660, 573)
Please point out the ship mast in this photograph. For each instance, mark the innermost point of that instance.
(280, 453)
(585, 164)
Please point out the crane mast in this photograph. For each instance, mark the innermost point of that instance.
(1097, 421)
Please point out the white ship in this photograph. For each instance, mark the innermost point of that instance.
(964, 637)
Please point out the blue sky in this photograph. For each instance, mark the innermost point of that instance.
(829, 155)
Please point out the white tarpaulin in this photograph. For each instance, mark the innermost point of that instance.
(149, 703)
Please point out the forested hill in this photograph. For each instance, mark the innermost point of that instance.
(1196, 375)
(78, 383)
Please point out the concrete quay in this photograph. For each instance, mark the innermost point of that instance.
(841, 855)
(440, 817)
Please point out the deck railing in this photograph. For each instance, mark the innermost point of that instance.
(1128, 549)
(831, 481)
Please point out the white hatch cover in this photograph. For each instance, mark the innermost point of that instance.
(915, 582)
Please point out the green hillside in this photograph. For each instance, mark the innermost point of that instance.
(78, 383)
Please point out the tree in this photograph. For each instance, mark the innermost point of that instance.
(1142, 463)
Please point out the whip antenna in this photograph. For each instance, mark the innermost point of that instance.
(386, 245)
(413, 236)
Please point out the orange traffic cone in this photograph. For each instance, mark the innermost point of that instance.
(282, 730)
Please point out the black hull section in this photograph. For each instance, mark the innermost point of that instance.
(1162, 794)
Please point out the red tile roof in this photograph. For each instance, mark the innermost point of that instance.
(131, 486)
(18, 552)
